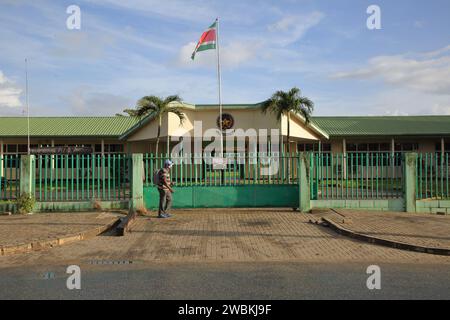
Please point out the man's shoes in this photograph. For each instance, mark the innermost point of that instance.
(164, 215)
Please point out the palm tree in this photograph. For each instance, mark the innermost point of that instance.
(129, 112)
(284, 103)
(157, 107)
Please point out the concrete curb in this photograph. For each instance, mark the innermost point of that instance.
(50, 243)
(126, 223)
(384, 242)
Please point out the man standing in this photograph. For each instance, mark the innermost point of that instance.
(165, 190)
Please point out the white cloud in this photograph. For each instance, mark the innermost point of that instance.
(419, 24)
(436, 53)
(232, 55)
(428, 72)
(9, 93)
(2, 78)
(388, 101)
(292, 28)
(256, 47)
(82, 101)
(440, 109)
(406, 102)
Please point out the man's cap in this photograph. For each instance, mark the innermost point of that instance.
(168, 163)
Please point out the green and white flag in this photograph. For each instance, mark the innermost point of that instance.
(207, 40)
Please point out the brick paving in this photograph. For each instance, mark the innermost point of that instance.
(225, 235)
(427, 230)
(20, 229)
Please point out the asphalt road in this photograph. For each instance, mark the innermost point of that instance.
(244, 280)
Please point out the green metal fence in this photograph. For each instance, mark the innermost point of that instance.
(9, 177)
(239, 169)
(370, 175)
(82, 177)
(432, 176)
(245, 180)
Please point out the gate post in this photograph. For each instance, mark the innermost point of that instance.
(304, 201)
(27, 175)
(410, 165)
(137, 181)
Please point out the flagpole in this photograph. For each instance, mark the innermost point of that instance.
(219, 77)
(28, 107)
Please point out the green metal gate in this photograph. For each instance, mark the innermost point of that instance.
(241, 183)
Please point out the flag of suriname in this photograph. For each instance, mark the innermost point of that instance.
(207, 40)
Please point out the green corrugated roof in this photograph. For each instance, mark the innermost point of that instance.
(66, 126)
(117, 126)
(384, 125)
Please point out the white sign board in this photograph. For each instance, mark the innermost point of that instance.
(219, 163)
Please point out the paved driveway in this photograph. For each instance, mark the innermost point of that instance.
(224, 235)
(23, 229)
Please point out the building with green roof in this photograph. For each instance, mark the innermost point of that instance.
(120, 134)
(383, 133)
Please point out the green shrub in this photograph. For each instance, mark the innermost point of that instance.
(25, 203)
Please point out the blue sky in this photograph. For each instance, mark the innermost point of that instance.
(128, 49)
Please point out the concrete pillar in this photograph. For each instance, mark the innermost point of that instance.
(410, 181)
(137, 184)
(1, 158)
(103, 147)
(27, 174)
(392, 146)
(303, 181)
(253, 159)
(442, 147)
